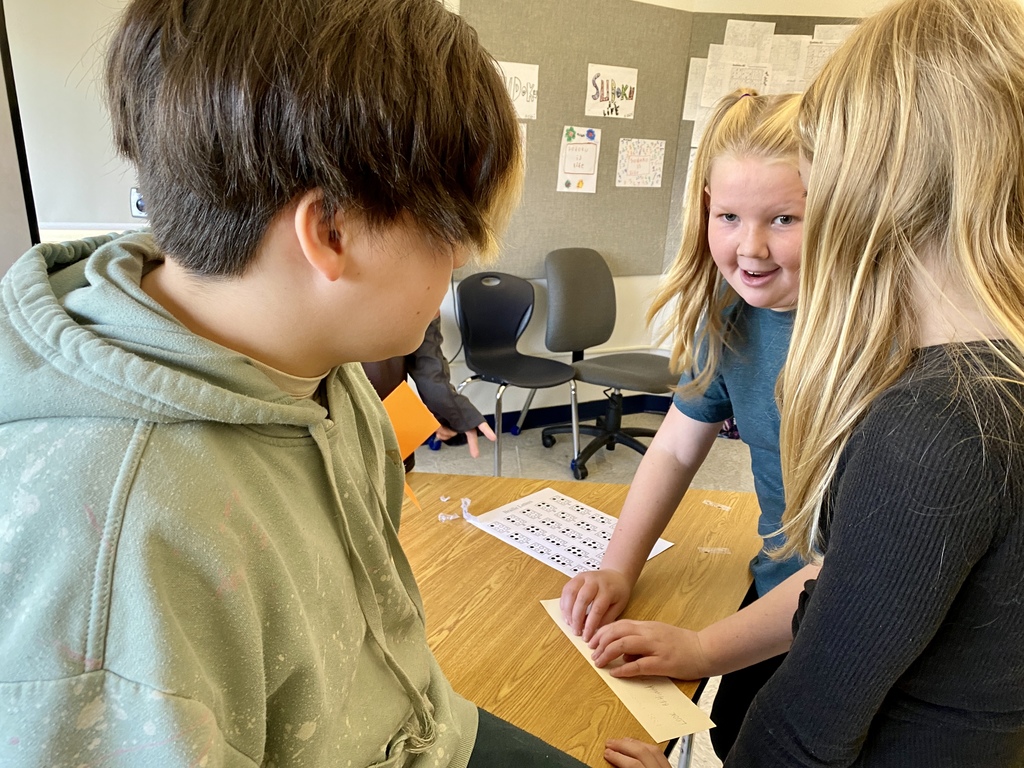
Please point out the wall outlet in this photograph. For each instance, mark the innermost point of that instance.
(138, 205)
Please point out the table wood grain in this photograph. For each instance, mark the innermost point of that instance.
(499, 647)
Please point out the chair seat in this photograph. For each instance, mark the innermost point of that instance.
(634, 371)
(524, 371)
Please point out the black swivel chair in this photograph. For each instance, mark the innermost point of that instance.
(581, 315)
(494, 309)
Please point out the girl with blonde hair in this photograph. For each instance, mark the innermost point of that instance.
(903, 408)
(730, 293)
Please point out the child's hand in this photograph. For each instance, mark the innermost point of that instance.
(471, 441)
(444, 433)
(650, 648)
(630, 753)
(604, 593)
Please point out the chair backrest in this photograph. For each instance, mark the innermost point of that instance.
(494, 309)
(581, 300)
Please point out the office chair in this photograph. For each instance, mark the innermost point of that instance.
(581, 315)
(494, 309)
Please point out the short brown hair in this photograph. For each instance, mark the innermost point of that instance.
(229, 111)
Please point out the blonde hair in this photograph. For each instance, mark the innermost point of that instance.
(916, 132)
(742, 124)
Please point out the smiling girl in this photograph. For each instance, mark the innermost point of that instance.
(733, 289)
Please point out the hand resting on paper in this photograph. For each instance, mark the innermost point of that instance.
(650, 648)
(630, 753)
(594, 598)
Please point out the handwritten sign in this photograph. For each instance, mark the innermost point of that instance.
(521, 84)
(611, 91)
(640, 163)
(578, 159)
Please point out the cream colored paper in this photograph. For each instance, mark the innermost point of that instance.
(661, 708)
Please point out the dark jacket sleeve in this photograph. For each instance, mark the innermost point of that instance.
(429, 369)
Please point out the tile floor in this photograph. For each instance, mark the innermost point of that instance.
(727, 468)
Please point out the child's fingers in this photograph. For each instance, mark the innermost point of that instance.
(630, 753)
(568, 599)
(486, 431)
(472, 444)
(618, 639)
(585, 596)
(598, 608)
(638, 666)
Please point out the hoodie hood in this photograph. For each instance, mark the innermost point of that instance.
(79, 337)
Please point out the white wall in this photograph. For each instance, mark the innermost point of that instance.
(57, 51)
(838, 8)
(15, 235)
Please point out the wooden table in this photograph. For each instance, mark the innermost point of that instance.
(499, 647)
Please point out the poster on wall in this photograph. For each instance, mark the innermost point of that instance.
(751, 34)
(521, 84)
(577, 161)
(611, 91)
(640, 163)
(752, 56)
(731, 67)
(788, 60)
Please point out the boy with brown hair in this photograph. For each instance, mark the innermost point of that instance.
(199, 563)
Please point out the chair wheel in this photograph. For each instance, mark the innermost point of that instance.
(579, 472)
(611, 446)
(515, 430)
(433, 443)
(547, 440)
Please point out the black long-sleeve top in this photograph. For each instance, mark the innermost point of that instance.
(909, 647)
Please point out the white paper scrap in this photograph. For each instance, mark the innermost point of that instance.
(657, 704)
(559, 531)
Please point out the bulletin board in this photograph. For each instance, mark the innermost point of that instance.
(637, 229)
(626, 224)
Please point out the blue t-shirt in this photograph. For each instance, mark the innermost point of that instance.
(744, 388)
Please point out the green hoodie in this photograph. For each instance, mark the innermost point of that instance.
(196, 569)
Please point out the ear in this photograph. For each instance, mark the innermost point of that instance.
(322, 245)
(707, 197)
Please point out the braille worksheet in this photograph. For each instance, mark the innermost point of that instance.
(555, 529)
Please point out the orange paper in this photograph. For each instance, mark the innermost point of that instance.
(412, 421)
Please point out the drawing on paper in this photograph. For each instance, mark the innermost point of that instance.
(578, 159)
(611, 91)
(521, 84)
(640, 163)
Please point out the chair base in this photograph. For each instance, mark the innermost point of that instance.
(608, 433)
